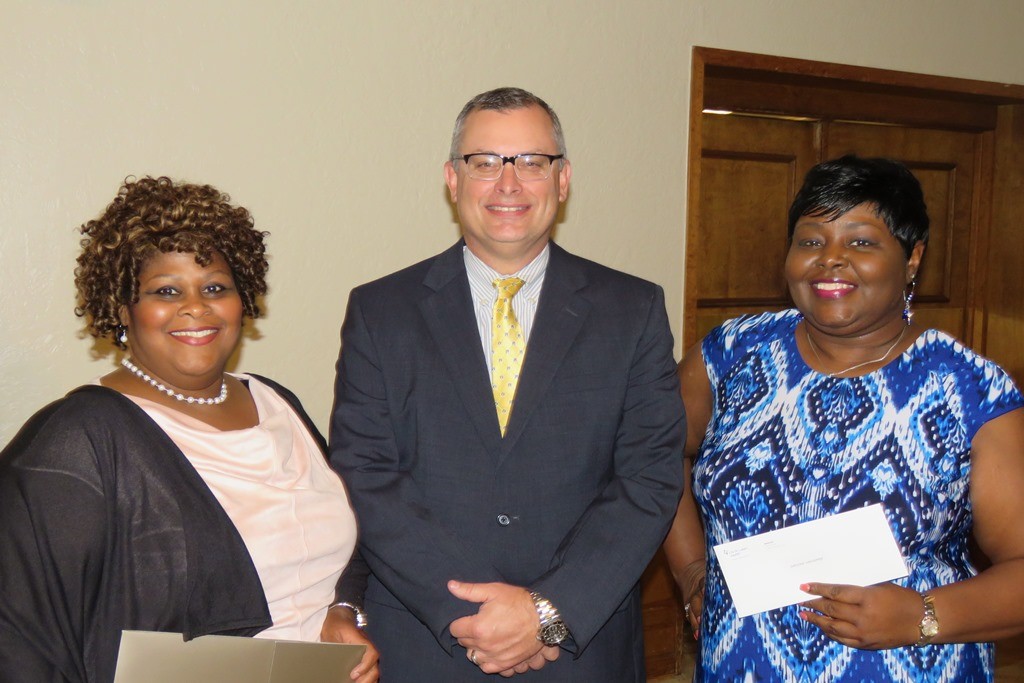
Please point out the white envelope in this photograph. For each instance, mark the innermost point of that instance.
(151, 657)
(765, 572)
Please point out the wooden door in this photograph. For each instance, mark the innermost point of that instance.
(750, 168)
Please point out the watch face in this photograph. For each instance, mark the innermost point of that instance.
(929, 627)
(553, 633)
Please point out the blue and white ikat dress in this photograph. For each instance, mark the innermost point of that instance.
(786, 445)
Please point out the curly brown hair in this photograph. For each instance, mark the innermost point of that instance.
(151, 215)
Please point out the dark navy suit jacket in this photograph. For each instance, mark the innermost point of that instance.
(572, 503)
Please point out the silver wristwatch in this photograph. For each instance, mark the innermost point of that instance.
(361, 620)
(552, 629)
(929, 626)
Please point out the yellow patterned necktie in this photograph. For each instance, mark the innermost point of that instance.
(507, 349)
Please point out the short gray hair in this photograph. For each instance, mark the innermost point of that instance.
(504, 99)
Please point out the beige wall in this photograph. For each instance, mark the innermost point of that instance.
(330, 121)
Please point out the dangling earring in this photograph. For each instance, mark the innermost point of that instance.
(121, 334)
(908, 299)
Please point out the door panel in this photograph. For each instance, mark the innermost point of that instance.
(750, 168)
(1003, 320)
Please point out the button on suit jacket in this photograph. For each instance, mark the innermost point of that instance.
(572, 503)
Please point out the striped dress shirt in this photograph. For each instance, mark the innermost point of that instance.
(524, 303)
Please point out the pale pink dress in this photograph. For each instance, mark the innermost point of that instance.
(290, 508)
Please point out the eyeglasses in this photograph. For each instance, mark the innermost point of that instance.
(527, 167)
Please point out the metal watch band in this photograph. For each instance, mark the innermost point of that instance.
(552, 629)
(547, 612)
(929, 626)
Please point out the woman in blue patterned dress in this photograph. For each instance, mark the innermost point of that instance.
(841, 403)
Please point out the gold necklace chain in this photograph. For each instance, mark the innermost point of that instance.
(885, 355)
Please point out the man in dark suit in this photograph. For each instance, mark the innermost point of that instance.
(508, 422)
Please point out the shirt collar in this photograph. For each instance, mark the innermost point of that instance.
(482, 276)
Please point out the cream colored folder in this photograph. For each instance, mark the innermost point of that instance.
(149, 657)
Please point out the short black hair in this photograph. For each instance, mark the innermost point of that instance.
(834, 187)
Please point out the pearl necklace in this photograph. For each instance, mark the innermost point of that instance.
(858, 365)
(216, 400)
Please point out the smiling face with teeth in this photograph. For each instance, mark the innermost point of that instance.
(507, 222)
(187, 321)
(848, 275)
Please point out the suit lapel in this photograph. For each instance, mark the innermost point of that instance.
(449, 316)
(560, 316)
